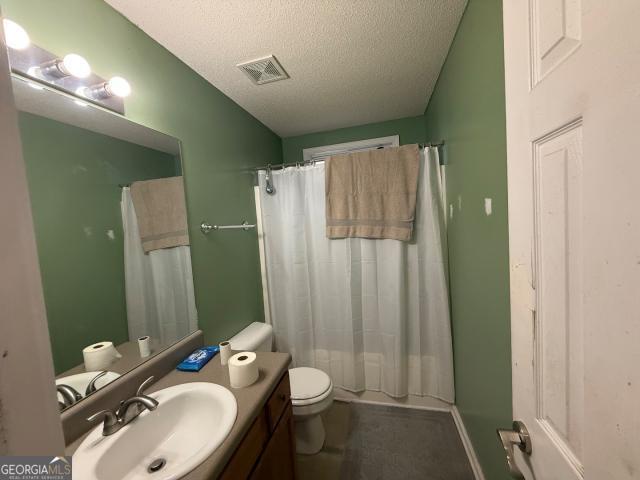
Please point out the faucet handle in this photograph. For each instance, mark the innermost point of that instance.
(108, 416)
(144, 385)
(110, 425)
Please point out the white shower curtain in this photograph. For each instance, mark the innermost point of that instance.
(373, 314)
(158, 285)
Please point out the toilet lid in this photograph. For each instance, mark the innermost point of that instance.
(308, 383)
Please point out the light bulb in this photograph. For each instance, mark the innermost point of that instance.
(119, 87)
(75, 65)
(15, 36)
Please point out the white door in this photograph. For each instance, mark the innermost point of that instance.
(573, 134)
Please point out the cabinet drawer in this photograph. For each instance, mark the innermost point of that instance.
(249, 451)
(280, 398)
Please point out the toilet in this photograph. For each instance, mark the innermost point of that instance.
(311, 389)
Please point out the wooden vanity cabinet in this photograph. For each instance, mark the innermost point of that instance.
(267, 451)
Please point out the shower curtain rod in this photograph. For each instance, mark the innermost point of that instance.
(308, 162)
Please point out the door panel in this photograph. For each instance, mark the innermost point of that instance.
(559, 365)
(555, 27)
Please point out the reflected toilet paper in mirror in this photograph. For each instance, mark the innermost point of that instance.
(144, 345)
(99, 356)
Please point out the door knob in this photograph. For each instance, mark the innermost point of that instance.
(519, 436)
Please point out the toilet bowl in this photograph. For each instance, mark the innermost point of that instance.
(311, 394)
(311, 389)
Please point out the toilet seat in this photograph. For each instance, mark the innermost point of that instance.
(309, 386)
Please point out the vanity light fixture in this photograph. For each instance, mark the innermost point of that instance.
(70, 74)
(72, 65)
(15, 36)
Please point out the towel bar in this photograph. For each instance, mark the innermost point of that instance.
(207, 227)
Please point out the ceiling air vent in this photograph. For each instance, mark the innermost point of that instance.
(263, 70)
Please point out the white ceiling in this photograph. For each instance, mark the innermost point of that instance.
(351, 61)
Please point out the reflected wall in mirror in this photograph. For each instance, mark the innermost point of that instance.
(110, 219)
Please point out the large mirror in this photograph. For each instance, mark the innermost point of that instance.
(110, 220)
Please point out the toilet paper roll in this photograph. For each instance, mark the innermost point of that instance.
(243, 369)
(99, 356)
(144, 344)
(225, 352)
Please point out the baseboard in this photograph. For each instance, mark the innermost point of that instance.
(468, 446)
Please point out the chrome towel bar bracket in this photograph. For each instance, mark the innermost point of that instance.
(207, 227)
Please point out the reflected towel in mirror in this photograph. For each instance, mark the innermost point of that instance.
(162, 213)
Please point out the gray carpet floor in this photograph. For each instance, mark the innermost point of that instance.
(374, 442)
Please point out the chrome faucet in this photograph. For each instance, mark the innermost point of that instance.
(92, 384)
(69, 396)
(129, 410)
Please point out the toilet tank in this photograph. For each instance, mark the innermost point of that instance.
(257, 337)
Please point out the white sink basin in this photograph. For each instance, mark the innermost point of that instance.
(81, 381)
(191, 421)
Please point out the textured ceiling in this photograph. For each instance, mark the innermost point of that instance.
(351, 61)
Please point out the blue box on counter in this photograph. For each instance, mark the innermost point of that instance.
(198, 359)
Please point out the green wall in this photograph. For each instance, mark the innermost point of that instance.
(73, 179)
(467, 110)
(221, 142)
(411, 130)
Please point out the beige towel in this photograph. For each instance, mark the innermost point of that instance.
(372, 194)
(161, 212)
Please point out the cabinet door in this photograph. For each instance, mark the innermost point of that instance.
(245, 457)
(278, 459)
(280, 399)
